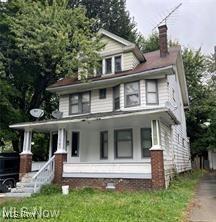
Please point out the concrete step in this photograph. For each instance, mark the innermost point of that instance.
(26, 180)
(26, 184)
(17, 195)
(22, 190)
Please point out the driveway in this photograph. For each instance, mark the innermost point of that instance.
(204, 209)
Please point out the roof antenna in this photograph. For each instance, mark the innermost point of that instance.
(164, 20)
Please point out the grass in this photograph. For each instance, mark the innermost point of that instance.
(93, 206)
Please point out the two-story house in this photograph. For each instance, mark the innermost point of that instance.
(124, 128)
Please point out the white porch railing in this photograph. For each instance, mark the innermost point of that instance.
(45, 175)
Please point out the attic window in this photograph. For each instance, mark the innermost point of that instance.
(118, 66)
(108, 66)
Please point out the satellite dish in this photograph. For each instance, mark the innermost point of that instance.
(57, 114)
(37, 113)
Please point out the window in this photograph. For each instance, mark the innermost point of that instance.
(80, 103)
(75, 144)
(104, 145)
(116, 97)
(118, 65)
(102, 93)
(132, 94)
(123, 143)
(151, 92)
(108, 66)
(155, 132)
(99, 70)
(178, 138)
(146, 141)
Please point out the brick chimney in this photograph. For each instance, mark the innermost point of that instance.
(163, 40)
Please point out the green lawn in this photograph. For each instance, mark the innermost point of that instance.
(92, 206)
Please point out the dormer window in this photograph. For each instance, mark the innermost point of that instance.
(118, 64)
(108, 66)
(99, 70)
(111, 65)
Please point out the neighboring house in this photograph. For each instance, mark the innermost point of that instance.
(124, 128)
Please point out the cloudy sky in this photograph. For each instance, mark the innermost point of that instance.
(193, 24)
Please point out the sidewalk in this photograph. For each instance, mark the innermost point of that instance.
(204, 209)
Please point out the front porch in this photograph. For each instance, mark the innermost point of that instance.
(123, 152)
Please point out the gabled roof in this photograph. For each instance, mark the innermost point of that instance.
(116, 37)
(128, 46)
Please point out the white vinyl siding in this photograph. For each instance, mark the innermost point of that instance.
(181, 153)
(129, 61)
(106, 105)
(111, 45)
(101, 105)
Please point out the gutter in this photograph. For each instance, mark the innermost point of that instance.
(67, 121)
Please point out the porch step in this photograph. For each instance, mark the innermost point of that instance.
(26, 184)
(22, 190)
(17, 195)
(26, 187)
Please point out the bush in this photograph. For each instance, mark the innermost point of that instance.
(50, 189)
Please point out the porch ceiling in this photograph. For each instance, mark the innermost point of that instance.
(99, 120)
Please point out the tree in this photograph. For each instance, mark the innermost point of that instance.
(197, 115)
(211, 72)
(40, 42)
(148, 44)
(110, 15)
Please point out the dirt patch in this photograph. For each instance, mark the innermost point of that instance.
(3, 200)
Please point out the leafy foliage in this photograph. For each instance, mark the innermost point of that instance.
(110, 15)
(40, 41)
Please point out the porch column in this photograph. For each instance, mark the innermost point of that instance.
(26, 155)
(60, 156)
(157, 160)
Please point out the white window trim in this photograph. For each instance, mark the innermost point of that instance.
(156, 146)
(113, 64)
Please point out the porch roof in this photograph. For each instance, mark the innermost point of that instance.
(55, 124)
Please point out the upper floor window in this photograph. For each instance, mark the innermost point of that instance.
(80, 103)
(151, 92)
(116, 97)
(132, 95)
(102, 93)
(108, 66)
(99, 70)
(118, 64)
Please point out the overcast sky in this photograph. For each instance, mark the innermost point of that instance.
(193, 24)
